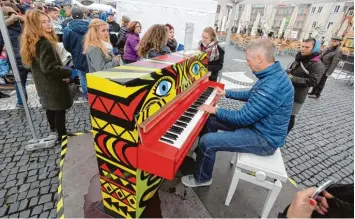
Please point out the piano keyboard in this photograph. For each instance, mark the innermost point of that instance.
(181, 129)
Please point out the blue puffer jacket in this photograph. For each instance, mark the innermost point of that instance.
(268, 107)
(73, 37)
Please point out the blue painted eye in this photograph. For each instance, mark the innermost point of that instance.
(196, 69)
(163, 88)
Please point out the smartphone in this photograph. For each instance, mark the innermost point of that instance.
(321, 188)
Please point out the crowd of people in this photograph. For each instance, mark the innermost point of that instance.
(95, 44)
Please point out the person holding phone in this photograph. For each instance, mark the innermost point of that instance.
(98, 48)
(326, 201)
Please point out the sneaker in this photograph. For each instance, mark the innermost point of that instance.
(2, 81)
(20, 106)
(313, 96)
(189, 181)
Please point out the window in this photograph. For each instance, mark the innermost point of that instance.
(351, 13)
(329, 25)
(320, 9)
(336, 9)
(313, 10)
(218, 9)
(314, 24)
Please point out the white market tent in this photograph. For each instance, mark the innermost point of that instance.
(177, 13)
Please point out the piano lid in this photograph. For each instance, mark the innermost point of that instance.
(143, 69)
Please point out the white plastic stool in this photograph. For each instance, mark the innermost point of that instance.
(268, 166)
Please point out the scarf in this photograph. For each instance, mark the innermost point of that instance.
(108, 46)
(211, 50)
(313, 56)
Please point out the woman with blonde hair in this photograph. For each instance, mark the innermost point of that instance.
(154, 41)
(39, 52)
(215, 53)
(98, 48)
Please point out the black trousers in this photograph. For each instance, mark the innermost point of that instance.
(317, 90)
(56, 120)
(291, 123)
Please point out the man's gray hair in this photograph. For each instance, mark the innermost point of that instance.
(264, 47)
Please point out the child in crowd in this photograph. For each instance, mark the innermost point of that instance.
(215, 53)
(131, 49)
(172, 43)
(154, 42)
(4, 66)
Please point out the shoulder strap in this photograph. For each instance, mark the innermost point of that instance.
(304, 69)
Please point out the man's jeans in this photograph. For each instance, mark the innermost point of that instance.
(23, 77)
(83, 83)
(233, 139)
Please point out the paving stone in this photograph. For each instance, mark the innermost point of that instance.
(10, 184)
(11, 191)
(45, 182)
(44, 214)
(12, 198)
(34, 185)
(33, 202)
(54, 188)
(23, 205)
(37, 210)
(48, 206)
(45, 190)
(24, 187)
(3, 210)
(13, 208)
(32, 172)
(2, 193)
(45, 199)
(13, 215)
(53, 214)
(25, 214)
(31, 179)
(33, 193)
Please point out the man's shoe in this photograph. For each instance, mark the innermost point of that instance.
(20, 106)
(190, 181)
(313, 96)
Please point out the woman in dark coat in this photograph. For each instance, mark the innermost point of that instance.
(39, 51)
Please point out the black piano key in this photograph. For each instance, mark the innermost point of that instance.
(176, 128)
(185, 119)
(188, 114)
(181, 124)
(167, 140)
(202, 99)
(171, 136)
(175, 131)
(193, 111)
(193, 107)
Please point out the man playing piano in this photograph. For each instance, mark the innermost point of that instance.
(259, 127)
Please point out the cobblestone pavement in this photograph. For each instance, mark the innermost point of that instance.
(29, 181)
(320, 146)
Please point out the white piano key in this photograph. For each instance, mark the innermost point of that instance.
(178, 143)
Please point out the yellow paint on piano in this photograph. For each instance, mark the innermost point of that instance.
(136, 68)
(97, 82)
